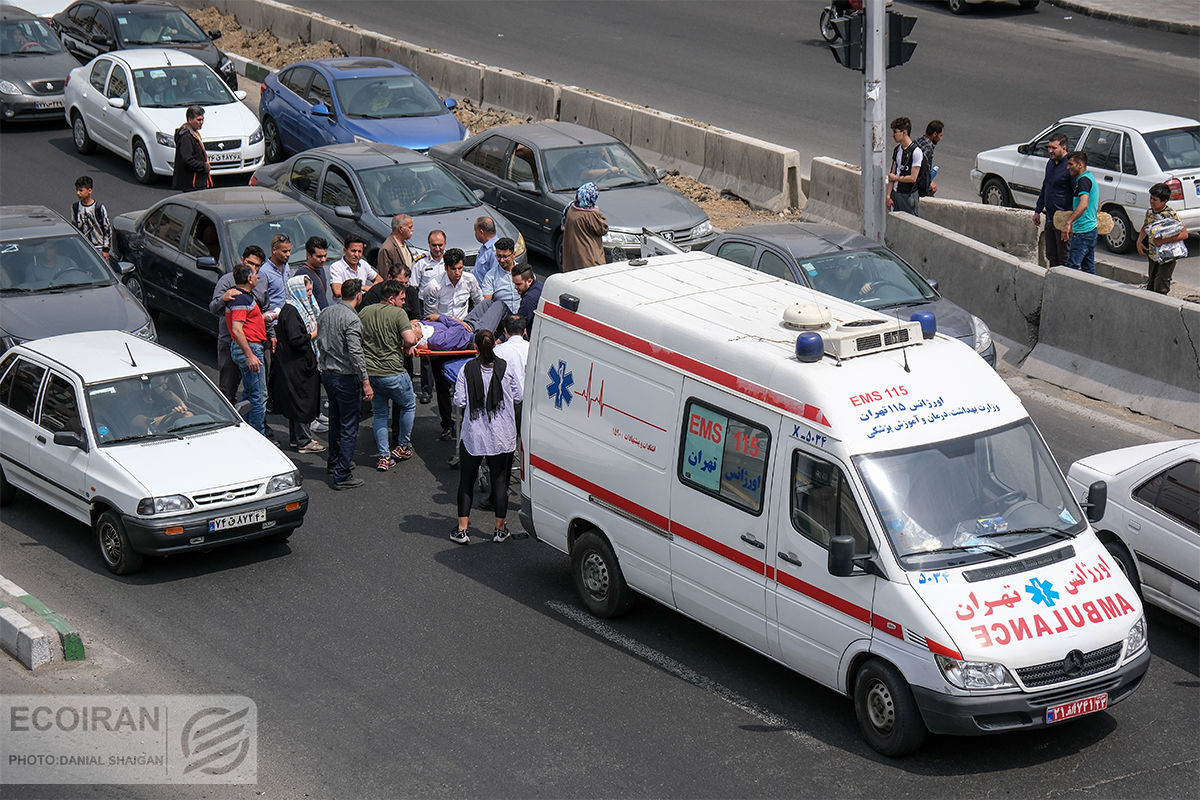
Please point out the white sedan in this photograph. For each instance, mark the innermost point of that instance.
(1151, 523)
(132, 101)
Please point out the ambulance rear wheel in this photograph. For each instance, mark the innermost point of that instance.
(597, 575)
(887, 713)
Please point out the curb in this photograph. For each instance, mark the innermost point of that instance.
(1129, 19)
(69, 639)
(22, 639)
(251, 70)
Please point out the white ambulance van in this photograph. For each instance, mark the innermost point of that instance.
(849, 494)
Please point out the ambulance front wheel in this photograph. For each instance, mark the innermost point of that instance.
(887, 713)
(598, 578)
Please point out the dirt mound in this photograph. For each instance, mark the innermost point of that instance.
(261, 46)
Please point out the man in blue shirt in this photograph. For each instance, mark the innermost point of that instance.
(1055, 196)
(498, 285)
(485, 234)
(276, 273)
(1081, 228)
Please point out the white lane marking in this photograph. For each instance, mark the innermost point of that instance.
(673, 667)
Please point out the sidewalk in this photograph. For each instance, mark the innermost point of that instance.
(1179, 16)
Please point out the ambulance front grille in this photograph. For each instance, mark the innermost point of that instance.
(1054, 672)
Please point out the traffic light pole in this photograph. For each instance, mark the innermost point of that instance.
(876, 141)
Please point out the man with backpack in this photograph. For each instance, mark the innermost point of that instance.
(933, 135)
(906, 167)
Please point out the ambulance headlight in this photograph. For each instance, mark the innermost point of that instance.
(1136, 641)
(974, 674)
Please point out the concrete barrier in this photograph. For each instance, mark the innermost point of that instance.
(451, 76)
(1009, 230)
(765, 175)
(348, 37)
(1120, 344)
(534, 98)
(596, 111)
(667, 141)
(834, 193)
(22, 639)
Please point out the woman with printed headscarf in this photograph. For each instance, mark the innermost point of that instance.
(583, 227)
(295, 382)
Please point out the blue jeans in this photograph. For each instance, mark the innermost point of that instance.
(345, 393)
(254, 384)
(398, 389)
(1082, 252)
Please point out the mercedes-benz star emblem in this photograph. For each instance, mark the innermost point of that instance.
(1073, 664)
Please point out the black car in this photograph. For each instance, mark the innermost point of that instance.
(851, 267)
(91, 27)
(183, 244)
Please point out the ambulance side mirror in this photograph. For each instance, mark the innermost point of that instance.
(841, 556)
(1097, 500)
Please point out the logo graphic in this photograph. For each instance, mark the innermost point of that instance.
(559, 388)
(668, 235)
(1072, 665)
(1042, 592)
(215, 740)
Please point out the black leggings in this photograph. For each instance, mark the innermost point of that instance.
(499, 468)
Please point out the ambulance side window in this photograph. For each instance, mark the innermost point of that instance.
(822, 503)
(724, 456)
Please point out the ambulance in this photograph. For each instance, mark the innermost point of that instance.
(850, 494)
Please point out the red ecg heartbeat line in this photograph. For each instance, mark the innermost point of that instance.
(599, 400)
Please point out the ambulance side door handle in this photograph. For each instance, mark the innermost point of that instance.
(749, 539)
(790, 558)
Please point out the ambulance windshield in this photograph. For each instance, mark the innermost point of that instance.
(973, 499)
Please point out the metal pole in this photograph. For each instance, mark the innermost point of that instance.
(875, 140)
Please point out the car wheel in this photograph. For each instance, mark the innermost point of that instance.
(8, 492)
(828, 32)
(887, 713)
(1121, 238)
(558, 247)
(134, 284)
(271, 144)
(1125, 561)
(118, 555)
(598, 578)
(958, 6)
(995, 193)
(83, 142)
(142, 169)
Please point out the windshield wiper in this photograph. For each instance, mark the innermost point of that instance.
(58, 287)
(1057, 533)
(442, 209)
(202, 423)
(16, 290)
(961, 548)
(368, 116)
(131, 438)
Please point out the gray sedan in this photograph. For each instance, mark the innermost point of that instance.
(357, 188)
(33, 67)
(531, 172)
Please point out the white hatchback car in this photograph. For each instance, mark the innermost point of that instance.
(130, 438)
(1128, 152)
(132, 101)
(1151, 523)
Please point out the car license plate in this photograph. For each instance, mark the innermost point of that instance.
(48, 104)
(1077, 708)
(237, 520)
(220, 158)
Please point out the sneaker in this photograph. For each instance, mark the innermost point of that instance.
(500, 535)
(446, 435)
(385, 463)
(318, 427)
(459, 537)
(402, 452)
(313, 447)
(453, 461)
(426, 397)
(349, 483)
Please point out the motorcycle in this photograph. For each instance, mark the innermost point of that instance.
(836, 11)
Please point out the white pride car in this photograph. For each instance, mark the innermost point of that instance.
(132, 101)
(131, 439)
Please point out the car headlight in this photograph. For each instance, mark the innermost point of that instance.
(983, 334)
(226, 65)
(147, 332)
(619, 238)
(285, 482)
(520, 246)
(974, 674)
(703, 229)
(165, 139)
(257, 136)
(163, 505)
(1136, 641)
(8, 87)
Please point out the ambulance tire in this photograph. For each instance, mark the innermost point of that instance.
(887, 713)
(597, 576)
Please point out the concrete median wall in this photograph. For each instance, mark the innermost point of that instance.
(764, 174)
(835, 193)
(667, 141)
(518, 93)
(1009, 230)
(596, 111)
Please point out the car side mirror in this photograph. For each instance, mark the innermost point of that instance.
(1097, 500)
(209, 263)
(116, 102)
(125, 267)
(214, 35)
(346, 212)
(528, 187)
(933, 284)
(240, 94)
(70, 439)
(478, 193)
(321, 110)
(841, 556)
(450, 103)
(660, 173)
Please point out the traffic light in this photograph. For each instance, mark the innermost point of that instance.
(848, 49)
(899, 50)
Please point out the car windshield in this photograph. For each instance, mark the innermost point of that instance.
(169, 26)
(609, 166)
(180, 87)
(423, 188)
(871, 278)
(163, 404)
(29, 37)
(388, 97)
(985, 496)
(1178, 148)
(298, 227)
(51, 264)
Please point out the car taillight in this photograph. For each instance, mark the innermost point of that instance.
(1176, 189)
(68, 80)
(262, 88)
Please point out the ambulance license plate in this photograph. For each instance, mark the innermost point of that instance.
(237, 520)
(1077, 708)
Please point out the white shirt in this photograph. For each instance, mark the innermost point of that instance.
(481, 436)
(424, 268)
(440, 296)
(340, 272)
(515, 350)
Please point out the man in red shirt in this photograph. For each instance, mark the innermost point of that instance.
(249, 333)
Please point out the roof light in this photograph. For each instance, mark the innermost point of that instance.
(810, 347)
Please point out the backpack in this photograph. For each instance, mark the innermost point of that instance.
(923, 179)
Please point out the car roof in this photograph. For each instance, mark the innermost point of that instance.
(552, 134)
(142, 57)
(235, 202)
(363, 155)
(133, 6)
(105, 355)
(21, 222)
(1137, 120)
(803, 239)
(351, 66)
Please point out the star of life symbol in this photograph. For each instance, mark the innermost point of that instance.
(559, 388)
(1042, 592)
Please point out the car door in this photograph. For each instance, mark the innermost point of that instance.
(1164, 531)
(319, 129)
(62, 468)
(1103, 148)
(719, 516)
(76, 30)
(770, 262)
(162, 261)
(816, 615)
(290, 109)
(92, 98)
(194, 288)
(114, 123)
(19, 390)
(338, 188)
(526, 207)
(1029, 167)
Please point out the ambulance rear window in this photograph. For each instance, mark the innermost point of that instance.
(724, 456)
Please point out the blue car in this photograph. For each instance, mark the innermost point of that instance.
(338, 100)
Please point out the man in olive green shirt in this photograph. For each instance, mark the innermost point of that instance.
(387, 334)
